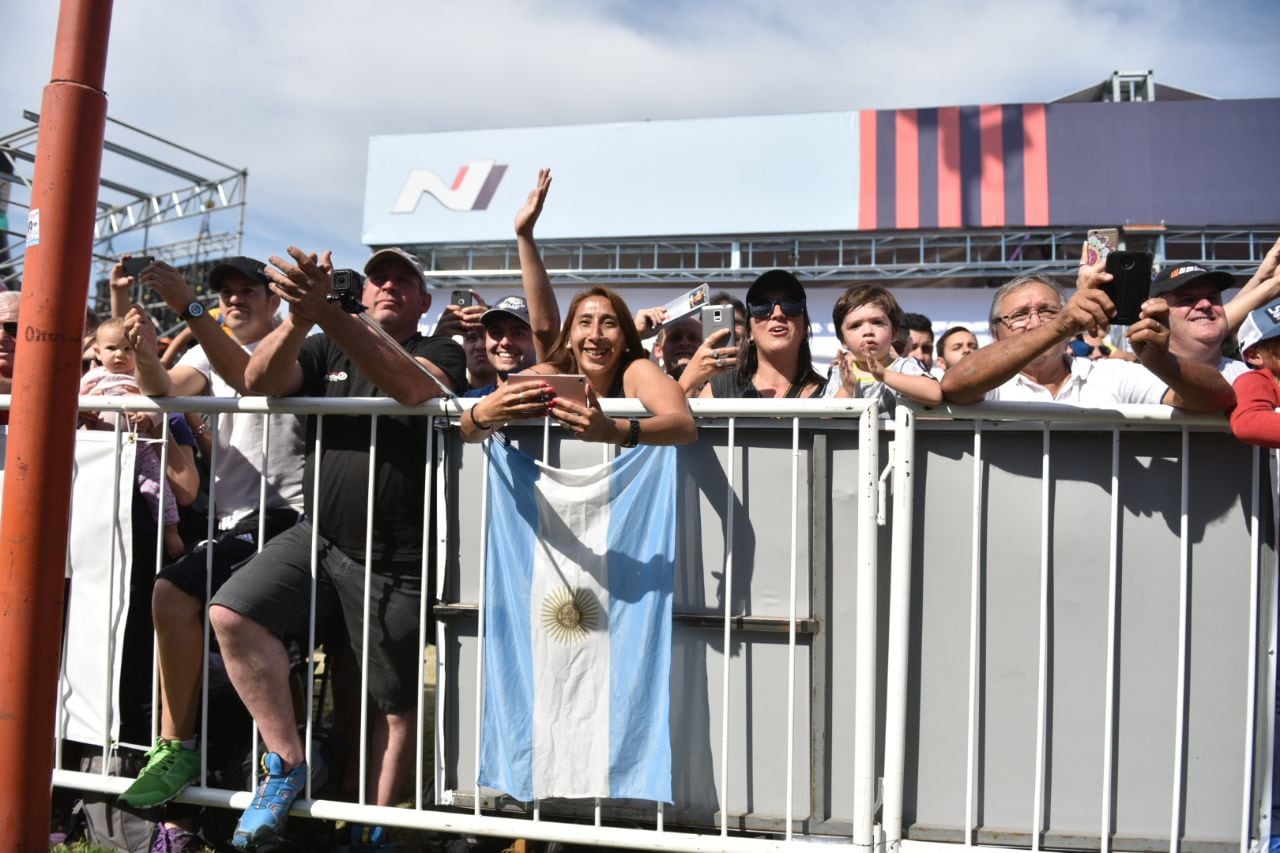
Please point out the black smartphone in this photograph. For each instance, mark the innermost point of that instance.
(717, 317)
(462, 298)
(135, 266)
(1130, 285)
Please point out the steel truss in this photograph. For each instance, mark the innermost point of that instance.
(937, 258)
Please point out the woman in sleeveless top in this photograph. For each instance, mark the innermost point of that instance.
(598, 340)
(773, 360)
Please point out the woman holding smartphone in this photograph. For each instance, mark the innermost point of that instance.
(598, 340)
(773, 360)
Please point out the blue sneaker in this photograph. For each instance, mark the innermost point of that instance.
(368, 839)
(264, 820)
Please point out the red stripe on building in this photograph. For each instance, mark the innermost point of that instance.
(908, 169)
(949, 209)
(867, 169)
(1035, 165)
(991, 128)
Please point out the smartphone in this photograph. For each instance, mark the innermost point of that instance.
(1130, 285)
(567, 386)
(1100, 242)
(463, 298)
(717, 317)
(135, 266)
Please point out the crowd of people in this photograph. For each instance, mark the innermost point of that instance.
(1049, 346)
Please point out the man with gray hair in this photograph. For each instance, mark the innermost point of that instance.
(9, 300)
(1031, 323)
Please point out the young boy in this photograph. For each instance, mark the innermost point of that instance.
(1255, 419)
(867, 318)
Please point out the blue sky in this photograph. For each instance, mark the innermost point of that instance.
(292, 89)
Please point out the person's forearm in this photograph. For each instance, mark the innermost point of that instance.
(673, 428)
(544, 312)
(1196, 387)
(184, 476)
(474, 426)
(273, 368)
(1248, 300)
(994, 365)
(153, 378)
(922, 389)
(383, 363)
(225, 354)
(120, 302)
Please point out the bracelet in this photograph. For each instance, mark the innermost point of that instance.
(201, 430)
(476, 421)
(633, 434)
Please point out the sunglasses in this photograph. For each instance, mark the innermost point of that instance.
(1084, 350)
(10, 328)
(763, 310)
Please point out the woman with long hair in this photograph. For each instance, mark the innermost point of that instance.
(772, 360)
(598, 340)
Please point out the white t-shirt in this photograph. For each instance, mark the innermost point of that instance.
(240, 453)
(905, 364)
(1097, 384)
(1230, 368)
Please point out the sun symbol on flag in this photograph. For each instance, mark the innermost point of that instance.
(569, 615)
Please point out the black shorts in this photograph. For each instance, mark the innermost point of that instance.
(231, 549)
(274, 590)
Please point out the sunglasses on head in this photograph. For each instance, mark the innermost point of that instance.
(763, 310)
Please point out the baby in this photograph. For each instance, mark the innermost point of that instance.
(115, 378)
(867, 318)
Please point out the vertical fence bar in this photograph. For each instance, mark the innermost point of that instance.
(311, 618)
(1268, 688)
(864, 722)
(160, 555)
(1042, 678)
(1251, 653)
(442, 670)
(899, 633)
(728, 616)
(262, 535)
(1180, 715)
(111, 602)
(364, 625)
(975, 617)
(791, 623)
(210, 530)
(424, 592)
(1113, 601)
(484, 519)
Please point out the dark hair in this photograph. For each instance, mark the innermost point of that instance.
(561, 356)
(917, 323)
(942, 341)
(867, 294)
(749, 361)
(726, 298)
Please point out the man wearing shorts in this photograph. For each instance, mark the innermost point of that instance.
(268, 601)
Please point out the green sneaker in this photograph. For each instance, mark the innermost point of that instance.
(169, 770)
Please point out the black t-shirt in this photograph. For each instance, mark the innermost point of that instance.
(344, 472)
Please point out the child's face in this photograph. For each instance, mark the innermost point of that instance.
(114, 351)
(866, 329)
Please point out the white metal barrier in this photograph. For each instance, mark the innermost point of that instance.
(878, 764)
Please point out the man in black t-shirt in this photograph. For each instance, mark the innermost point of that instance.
(256, 610)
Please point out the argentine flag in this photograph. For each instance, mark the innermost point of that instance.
(577, 655)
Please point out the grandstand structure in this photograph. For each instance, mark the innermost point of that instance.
(946, 197)
(155, 197)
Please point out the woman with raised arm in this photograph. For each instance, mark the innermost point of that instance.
(598, 340)
(773, 359)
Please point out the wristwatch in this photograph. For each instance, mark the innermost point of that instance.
(633, 434)
(193, 310)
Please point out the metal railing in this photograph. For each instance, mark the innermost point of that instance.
(813, 452)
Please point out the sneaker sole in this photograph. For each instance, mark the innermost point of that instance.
(169, 799)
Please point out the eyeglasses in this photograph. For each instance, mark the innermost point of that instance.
(1019, 319)
(10, 328)
(1084, 349)
(764, 310)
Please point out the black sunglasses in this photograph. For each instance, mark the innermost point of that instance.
(10, 328)
(763, 310)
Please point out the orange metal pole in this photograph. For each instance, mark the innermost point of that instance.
(37, 480)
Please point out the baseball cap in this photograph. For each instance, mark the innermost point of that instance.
(1262, 324)
(775, 281)
(513, 306)
(401, 255)
(1176, 275)
(255, 271)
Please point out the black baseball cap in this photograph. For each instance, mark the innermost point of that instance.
(255, 271)
(775, 281)
(1176, 275)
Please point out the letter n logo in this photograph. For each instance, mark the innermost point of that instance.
(472, 189)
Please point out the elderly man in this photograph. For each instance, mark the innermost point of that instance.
(8, 342)
(1029, 359)
(267, 601)
(1197, 319)
(248, 310)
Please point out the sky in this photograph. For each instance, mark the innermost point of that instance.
(293, 89)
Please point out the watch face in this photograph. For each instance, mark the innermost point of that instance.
(195, 309)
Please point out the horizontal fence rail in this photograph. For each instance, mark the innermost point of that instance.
(998, 625)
